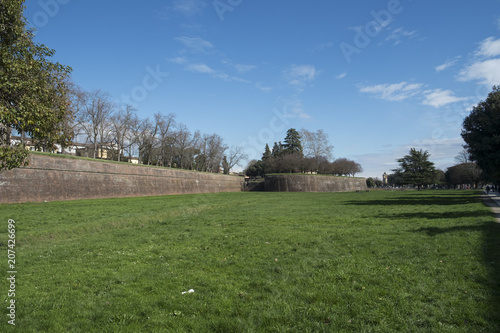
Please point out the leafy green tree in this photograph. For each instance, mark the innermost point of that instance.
(416, 169)
(256, 169)
(370, 182)
(32, 88)
(292, 143)
(481, 133)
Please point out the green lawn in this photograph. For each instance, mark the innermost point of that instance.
(258, 262)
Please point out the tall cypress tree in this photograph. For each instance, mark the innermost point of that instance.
(267, 153)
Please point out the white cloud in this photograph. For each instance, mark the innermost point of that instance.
(205, 69)
(341, 76)
(200, 68)
(299, 76)
(397, 35)
(485, 67)
(262, 87)
(449, 63)
(489, 48)
(244, 68)
(177, 60)
(188, 7)
(439, 97)
(322, 47)
(195, 44)
(394, 92)
(240, 68)
(486, 72)
(296, 109)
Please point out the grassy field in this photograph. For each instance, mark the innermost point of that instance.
(257, 262)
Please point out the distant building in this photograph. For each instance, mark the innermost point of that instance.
(385, 179)
(75, 149)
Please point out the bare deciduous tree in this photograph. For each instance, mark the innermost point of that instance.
(236, 154)
(94, 118)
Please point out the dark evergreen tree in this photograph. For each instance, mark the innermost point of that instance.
(267, 153)
(416, 169)
(277, 149)
(292, 143)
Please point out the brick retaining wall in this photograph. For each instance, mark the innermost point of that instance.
(313, 183)
(54, 178)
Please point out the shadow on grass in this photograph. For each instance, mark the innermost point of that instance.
(424, 198)
(491, 251)
(434, 231)
(433, 216)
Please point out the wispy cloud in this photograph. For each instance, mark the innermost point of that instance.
(322, 47)
(240, 68)
(341, 76)
(200, 68)
(177, 60)
(438, 98)
(262, 87)
(394, 92)
(449, 63)
(486, 72)
(205, 69)
(490, 47)
(398, 35)
(486, 66)
(295, 109)
(186, 8)
(195, 44)
(300, 75)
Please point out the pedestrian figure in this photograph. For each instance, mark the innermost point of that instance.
(488, 189)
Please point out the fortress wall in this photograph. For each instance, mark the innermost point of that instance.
(53, 178)
(313, 183)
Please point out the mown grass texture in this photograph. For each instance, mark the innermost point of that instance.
(258, 262)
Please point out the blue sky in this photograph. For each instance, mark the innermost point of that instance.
(379, 77)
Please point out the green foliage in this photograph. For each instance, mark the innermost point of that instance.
(370, 182)
(292, 143)
(381, 261)
(267, 153)
(32, 88)
(481, 132)
(13, 157)
(416, 169)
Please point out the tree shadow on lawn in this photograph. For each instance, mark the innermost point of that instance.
(424, 199)
(491, 256)
(434, 216)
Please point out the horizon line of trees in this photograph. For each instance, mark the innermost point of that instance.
(160, 140)
(466, 173)
(301, 152)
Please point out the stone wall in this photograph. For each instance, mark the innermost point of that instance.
(54, 178)
(313, 183)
